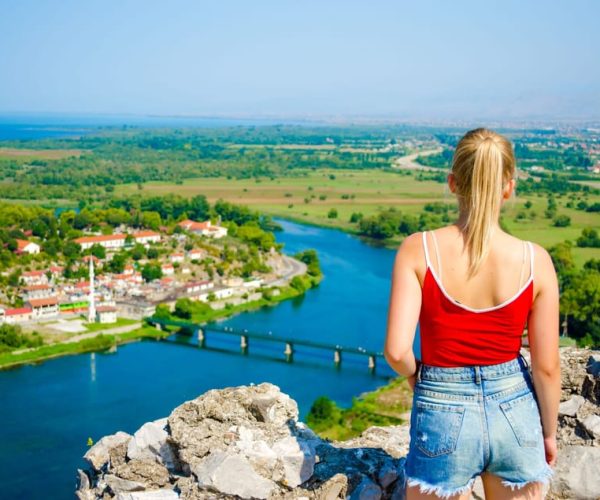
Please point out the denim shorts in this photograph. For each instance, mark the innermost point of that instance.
(469, 420)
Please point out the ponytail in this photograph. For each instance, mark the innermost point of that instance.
(482, 163)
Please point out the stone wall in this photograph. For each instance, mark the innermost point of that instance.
(247, 442)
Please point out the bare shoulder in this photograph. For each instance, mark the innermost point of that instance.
(410, 253)
(411, 245)
(542, 260)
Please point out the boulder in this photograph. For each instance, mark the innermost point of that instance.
(109, 447)
(150, 443)
(571, 406)
(233, 475)
(576, 474)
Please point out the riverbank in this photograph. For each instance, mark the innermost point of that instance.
(102, 341)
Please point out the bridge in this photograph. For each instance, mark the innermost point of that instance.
(288, 345)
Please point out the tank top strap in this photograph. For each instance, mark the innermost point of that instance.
(531, 257)
(427, 261)
(437, 255)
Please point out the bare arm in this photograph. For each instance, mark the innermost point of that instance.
(543, 331)
(404, 308)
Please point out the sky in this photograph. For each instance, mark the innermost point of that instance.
(417, 60)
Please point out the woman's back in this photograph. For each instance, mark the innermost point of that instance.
(478, 320)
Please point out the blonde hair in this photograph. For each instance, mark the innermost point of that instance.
(483, 163)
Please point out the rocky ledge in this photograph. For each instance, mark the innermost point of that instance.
(247, 442)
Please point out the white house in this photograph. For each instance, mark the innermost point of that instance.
(43, 308)
(34, 278)
(146, 237)
(108, 241)
(25, 246)
(106, 314)
(14, 316)
(206, 228)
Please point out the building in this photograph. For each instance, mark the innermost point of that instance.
(196, 254)
(117, 241)
(206, 228)
(16, 315)
(25, 246)
(167, 269)
(146, 237)
(177, 257)
(108, 241)
(37, 292)
(135, 308)
(34, 278)
(106, 314)
(43, 308)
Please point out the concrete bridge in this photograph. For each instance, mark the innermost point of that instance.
(288, 345)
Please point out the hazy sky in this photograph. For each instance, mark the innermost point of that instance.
(413, 60)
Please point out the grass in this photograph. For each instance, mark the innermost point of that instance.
(39, 154)
(100, 342)
(372, 189)
(94, 327)
(387, 405)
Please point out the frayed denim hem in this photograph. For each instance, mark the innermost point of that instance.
(544, 477)
(439, 491)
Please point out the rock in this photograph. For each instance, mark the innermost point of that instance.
(571, 406)
(593, 365)
(366, 490)
(83, 480)
(151, 474)
(247, 442)
(100, 454)
(117, 484)
(232, 474)
(204, 425)
(149, 495)
(387, 475)
(297, 458)
(150, 443)
(591, 424)
(576, 474)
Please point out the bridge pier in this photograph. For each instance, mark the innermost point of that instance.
(244, 344)
(372, 364)
(289, 352)
(337, 357)
(201, 337)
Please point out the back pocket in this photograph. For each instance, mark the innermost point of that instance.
(437, 427)
(523, 416)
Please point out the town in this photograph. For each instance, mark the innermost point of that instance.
(167, 265)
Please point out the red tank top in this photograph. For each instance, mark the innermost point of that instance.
(453, 334)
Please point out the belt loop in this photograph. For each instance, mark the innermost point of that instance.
(420, 365)
(477, 375)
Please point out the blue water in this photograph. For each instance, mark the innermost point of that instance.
(51, 409)
(27, 126)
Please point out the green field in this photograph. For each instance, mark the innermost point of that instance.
(372, 189)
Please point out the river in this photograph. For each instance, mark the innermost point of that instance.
(51, 409)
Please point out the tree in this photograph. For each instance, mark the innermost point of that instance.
(589, 238)
(562, 221)
(98, 251)
(332, 214)
(151, 272)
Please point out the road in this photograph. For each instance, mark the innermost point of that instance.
(410, 163)
(293, 267)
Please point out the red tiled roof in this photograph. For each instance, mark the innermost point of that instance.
(145, 234)
(33, 273)
(48, 301)
(16, 311)
(100, 238)
(21, 244)
(106, 309)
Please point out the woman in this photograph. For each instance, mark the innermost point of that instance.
(477, 408)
